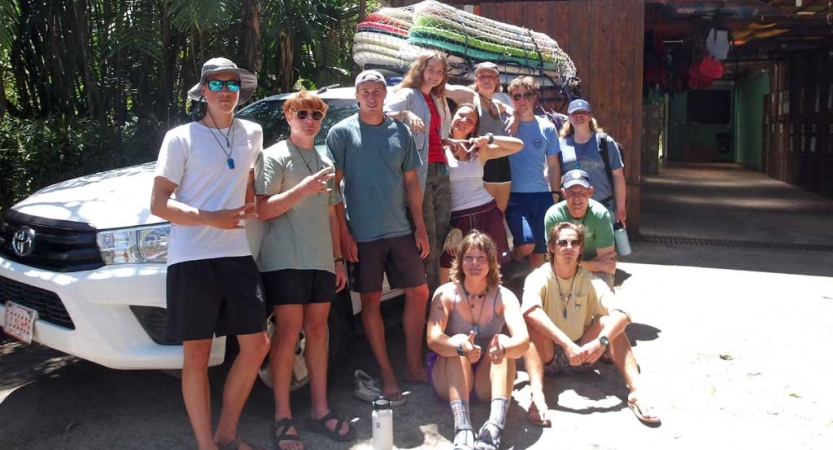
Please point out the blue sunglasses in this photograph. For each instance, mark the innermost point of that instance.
(217, 85)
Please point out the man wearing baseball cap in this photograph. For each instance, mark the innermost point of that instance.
(213, 284)
(577, 207)
(377, 159)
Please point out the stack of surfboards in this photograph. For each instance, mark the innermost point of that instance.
(392, 38)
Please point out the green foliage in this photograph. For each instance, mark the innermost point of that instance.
(37, 153)
(76, 74)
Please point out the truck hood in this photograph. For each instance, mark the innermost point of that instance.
(115, 199)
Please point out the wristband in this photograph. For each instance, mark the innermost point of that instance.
(491, 138)
(460, 350)
(338, 258)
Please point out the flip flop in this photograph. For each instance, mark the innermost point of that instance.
(284, 425)
(369, 389)
(543, 423)
(320, 426)
(640, 414)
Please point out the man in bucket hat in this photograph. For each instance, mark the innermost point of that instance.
(213, 283)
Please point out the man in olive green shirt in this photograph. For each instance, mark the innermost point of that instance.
(599, 256)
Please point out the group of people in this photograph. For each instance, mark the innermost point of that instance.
(404, 188)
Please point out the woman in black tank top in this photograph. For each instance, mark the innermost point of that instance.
(470, 351)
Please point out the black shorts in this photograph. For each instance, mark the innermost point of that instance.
(397, 257)
(298, 287)
(497, 170)
(214, 297)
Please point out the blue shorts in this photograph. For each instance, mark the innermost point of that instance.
(525, 216)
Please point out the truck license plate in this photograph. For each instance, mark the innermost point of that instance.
(20, 322)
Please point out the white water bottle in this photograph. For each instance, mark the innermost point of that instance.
(620, 236)
(382, 424)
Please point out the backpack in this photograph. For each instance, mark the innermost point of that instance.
(604, 141)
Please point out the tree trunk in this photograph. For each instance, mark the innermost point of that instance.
(250, 36)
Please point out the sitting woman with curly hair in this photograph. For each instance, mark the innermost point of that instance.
(468, 352)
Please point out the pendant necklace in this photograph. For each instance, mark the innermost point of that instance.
(229, 145)
(490, 107)
(301, 154)
(565, 300)
(475, 326)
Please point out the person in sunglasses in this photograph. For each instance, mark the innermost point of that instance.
(573, 319)
(533, 192)
(578, 207)
(301, 263)
(203, 186)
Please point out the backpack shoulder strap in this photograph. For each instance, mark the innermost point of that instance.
(603, 145)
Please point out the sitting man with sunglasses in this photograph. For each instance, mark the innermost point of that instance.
(599, 256)
(532, 192)
(573, 319)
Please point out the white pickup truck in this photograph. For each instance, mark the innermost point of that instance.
(82, 263)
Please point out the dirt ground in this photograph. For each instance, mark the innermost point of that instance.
(731, 358)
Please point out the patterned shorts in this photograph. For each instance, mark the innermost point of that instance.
(560, 364)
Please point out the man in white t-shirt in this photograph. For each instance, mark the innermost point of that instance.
(203, 186)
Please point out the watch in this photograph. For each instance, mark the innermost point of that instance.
(491, 138)
(604, 341)
(460, 350)
(338, 258)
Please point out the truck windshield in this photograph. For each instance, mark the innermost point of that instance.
(269, 114)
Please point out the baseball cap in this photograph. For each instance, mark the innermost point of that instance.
(487, 66)
(578, 105)
(370, 76)
(574, 177)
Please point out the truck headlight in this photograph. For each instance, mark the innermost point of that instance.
(135, 245)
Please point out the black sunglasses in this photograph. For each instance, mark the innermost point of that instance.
(526, 95)
(217, 85)
(302, 115)
(563, 243)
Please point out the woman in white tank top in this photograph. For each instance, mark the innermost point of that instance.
(472, 206)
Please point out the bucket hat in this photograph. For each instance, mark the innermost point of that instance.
(248, 81)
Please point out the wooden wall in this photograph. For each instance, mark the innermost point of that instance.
(604, 38)
(799, 121)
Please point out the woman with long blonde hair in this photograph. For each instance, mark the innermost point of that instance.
(419, 100)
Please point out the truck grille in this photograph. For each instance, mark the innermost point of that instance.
(59, 245)
(46, 303)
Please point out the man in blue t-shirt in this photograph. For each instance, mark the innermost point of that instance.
(533, 191)
(377, 160)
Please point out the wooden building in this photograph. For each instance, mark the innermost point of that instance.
(780, 83)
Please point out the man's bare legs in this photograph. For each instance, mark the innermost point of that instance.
(541, 349)
(288, 322)
(413, 320)
(241, 377)
(315, 327)
(622, 355)
(196, 392)
(374, 328)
